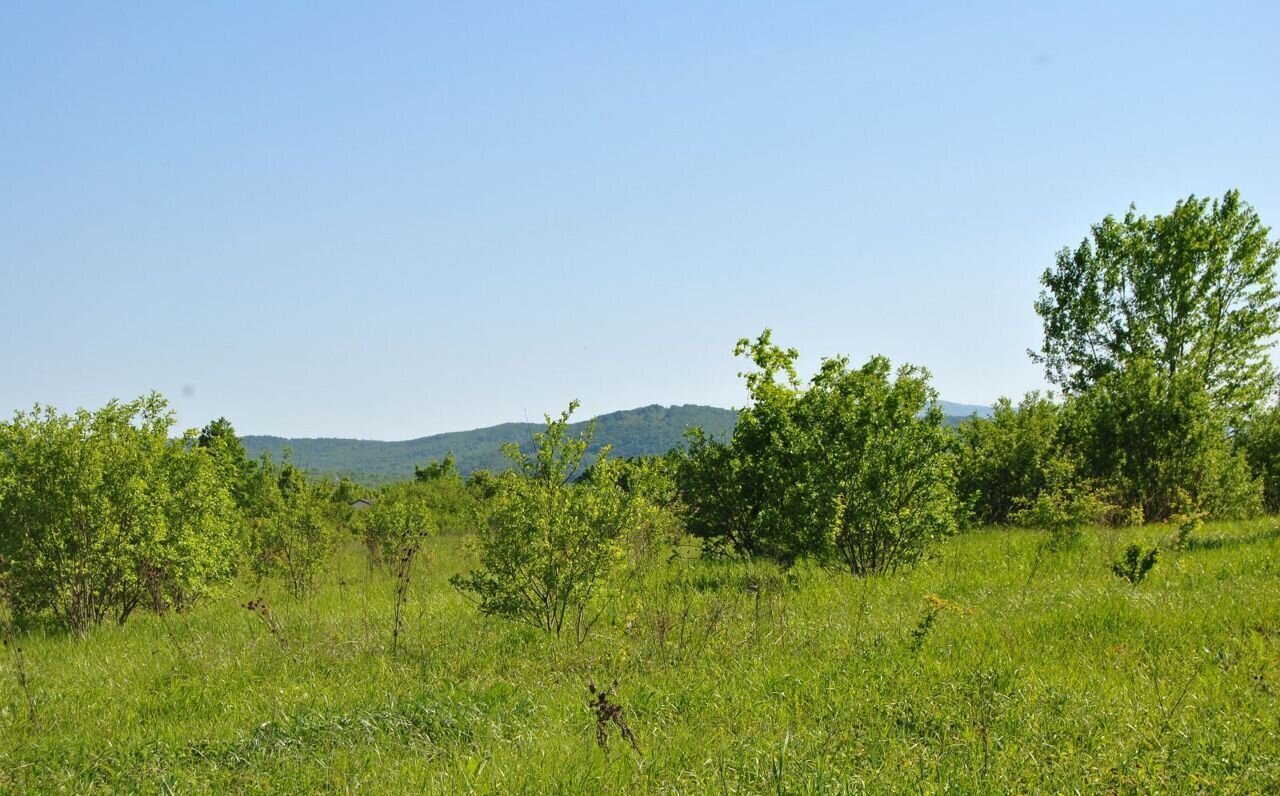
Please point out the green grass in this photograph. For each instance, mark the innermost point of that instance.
(1043, 672)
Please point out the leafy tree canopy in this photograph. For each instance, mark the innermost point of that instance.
(1192, 291)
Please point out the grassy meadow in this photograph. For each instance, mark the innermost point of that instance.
(993, 666)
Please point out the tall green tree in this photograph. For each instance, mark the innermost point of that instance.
(1192, 292)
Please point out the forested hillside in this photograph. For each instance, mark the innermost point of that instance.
(645, 431)
(633, 432)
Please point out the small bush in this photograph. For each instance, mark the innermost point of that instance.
(1187, 524)
(293, 532)
(855, 469)
(1064, 508)
(400, 520)
(1134, 566)
(549, 546)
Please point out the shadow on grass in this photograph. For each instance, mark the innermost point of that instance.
(1220, 542)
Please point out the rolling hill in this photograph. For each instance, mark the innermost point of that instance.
(633, 432)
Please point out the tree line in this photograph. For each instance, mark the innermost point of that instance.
(1157, 333)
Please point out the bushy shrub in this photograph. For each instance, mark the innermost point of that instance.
(401, 516)
(102, 512)
(1158, 442)
(1259, 439)
(877, 467)
(293, 528)
(650, 483)
(1064, 506)
(399, 521)
(856, 468)
(549, 547)
(1003, 461)
(441, 490)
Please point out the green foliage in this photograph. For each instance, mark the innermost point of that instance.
(447, 496)
(1135, 565)
(549, 546)
(445, 499)
(1003, 461)
(1159, 329)
(1192, 294)
(482, 484)
(400, 520)
(646, 431)
(657, 524)
(741, 494)
(712, 482)
(219, 439)
(1160, 444)
(436, 470)
(1259, 439)
(101, 512)
(293, 528)
(401, 517)
(1187, 525)
(856, 468)
(1063, 507)
(877, 467)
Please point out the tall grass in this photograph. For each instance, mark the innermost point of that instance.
(993, 666)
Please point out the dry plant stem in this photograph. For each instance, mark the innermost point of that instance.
(20, 671)
(609, 713)
(259, 607)
(404, 568)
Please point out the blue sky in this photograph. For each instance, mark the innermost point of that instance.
(355, 219)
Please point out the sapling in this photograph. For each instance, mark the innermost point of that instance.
(1134, 566)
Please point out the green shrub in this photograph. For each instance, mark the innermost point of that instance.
(877, 468)
(744, 495)
(650, 482)
(1135, 565)
(1003, 461)
(292, 526)
(1158, 442)
(550, 548)
(1259, 439)
(400, 520)
(854, 469)
(102, 512)
(1064, 506)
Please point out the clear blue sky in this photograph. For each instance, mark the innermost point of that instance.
(348, 220)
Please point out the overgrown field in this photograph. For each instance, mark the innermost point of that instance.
(993, 666)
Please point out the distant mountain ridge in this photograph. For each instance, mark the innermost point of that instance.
(633, 432)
